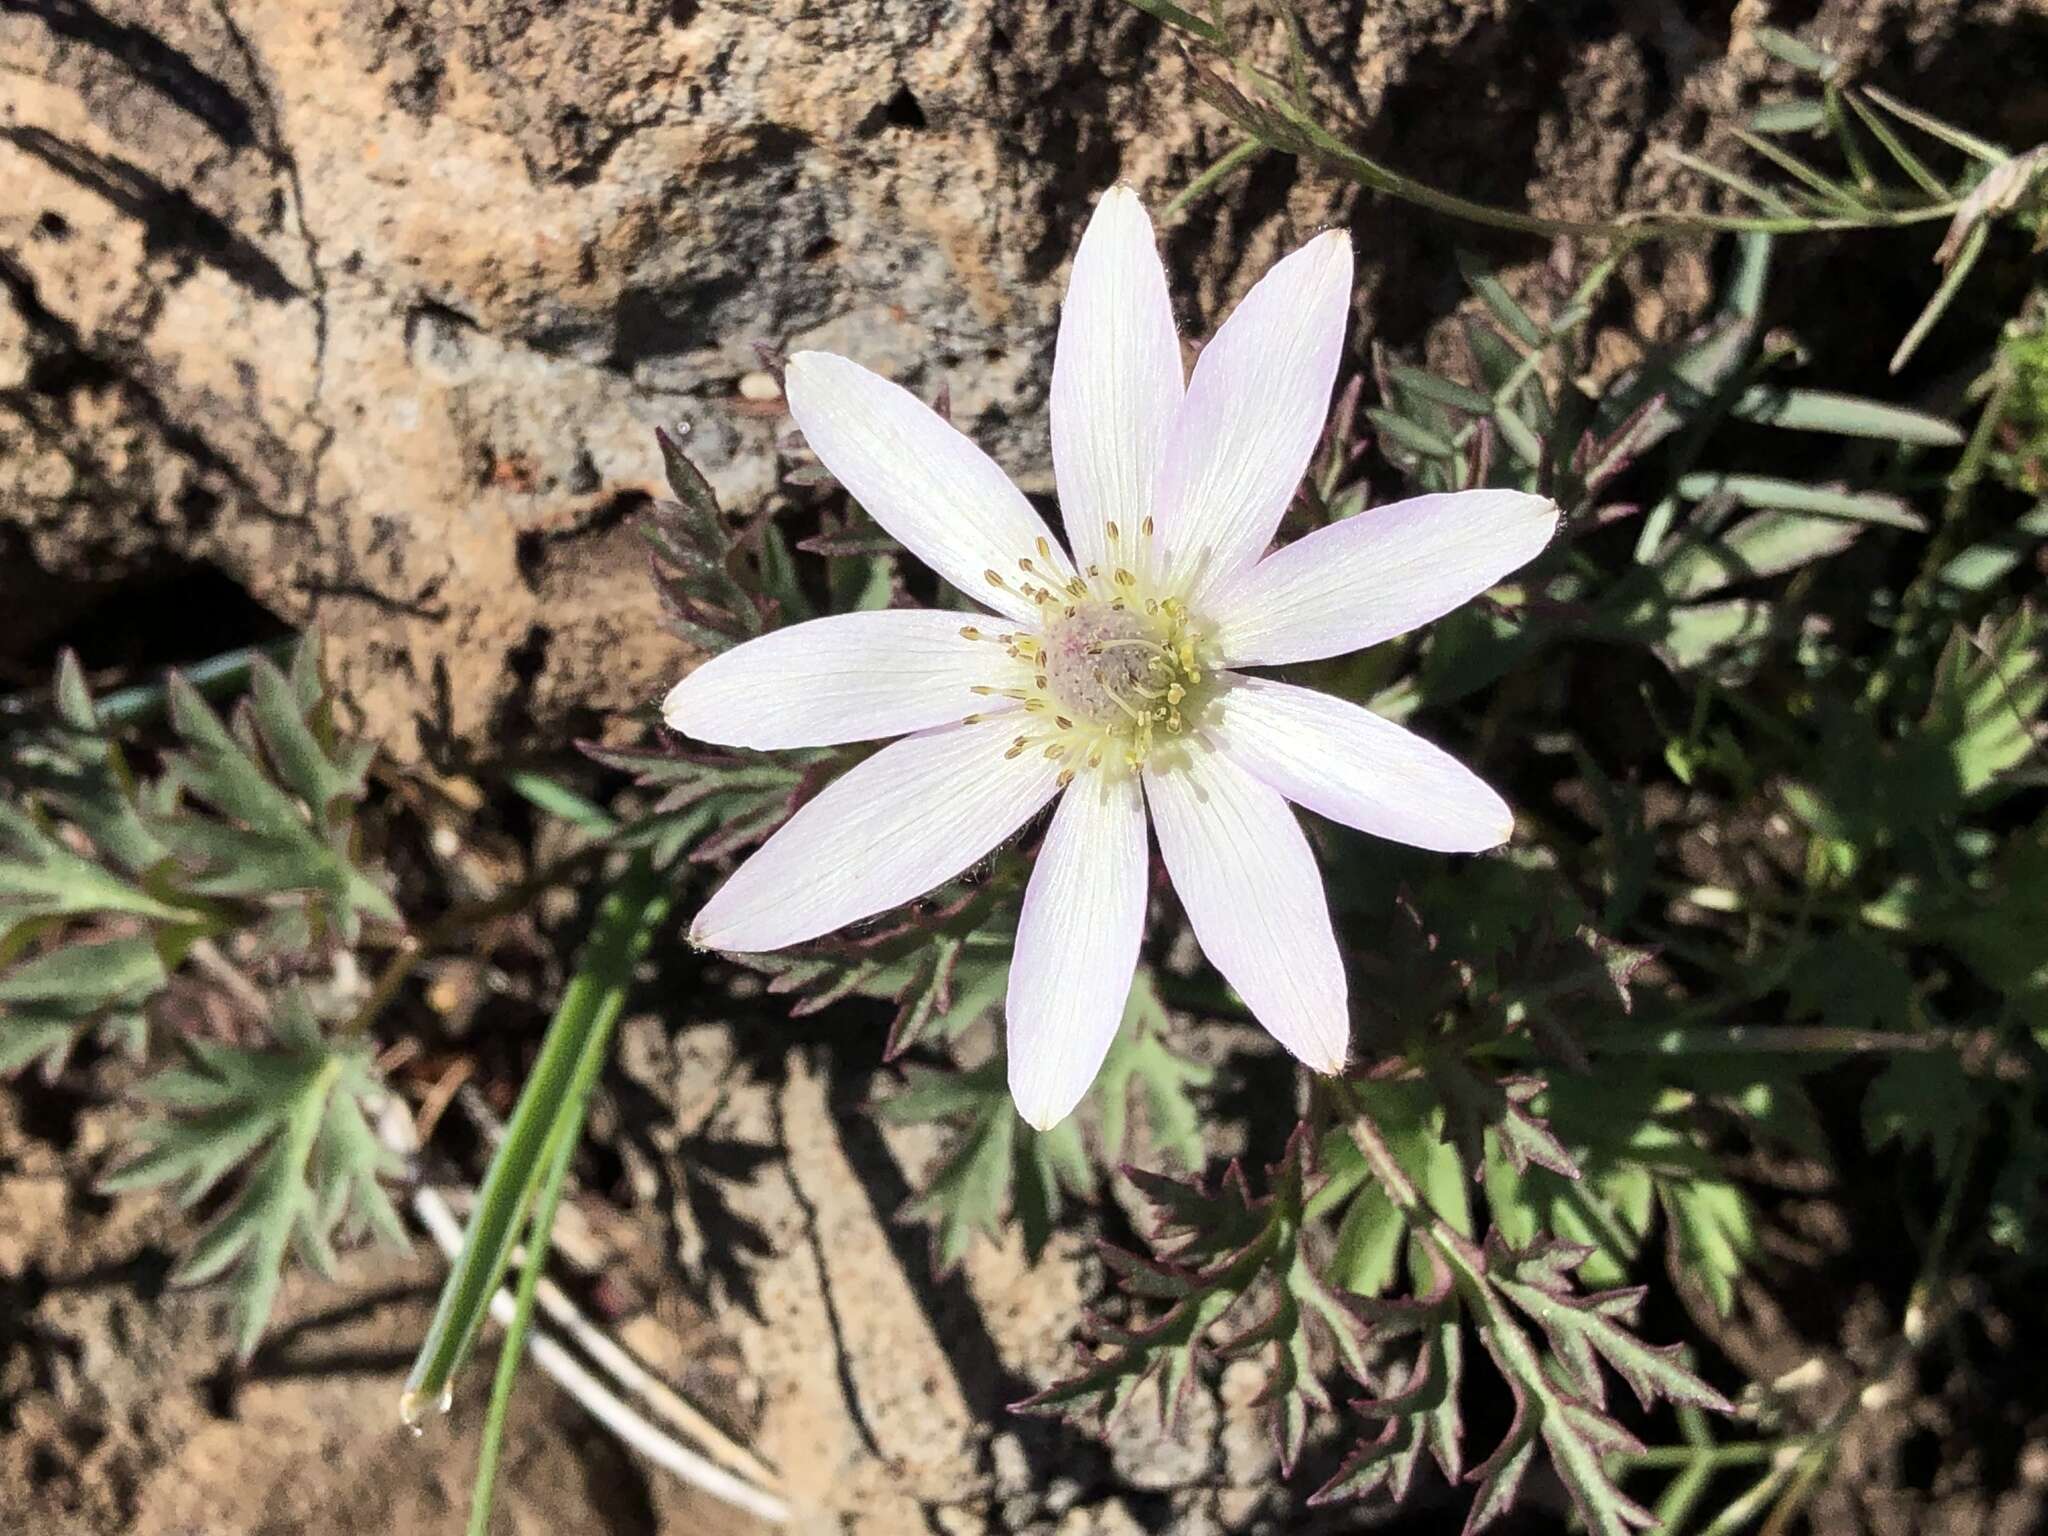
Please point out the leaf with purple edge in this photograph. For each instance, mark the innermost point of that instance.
(1581, 1327)
(1215, 1249)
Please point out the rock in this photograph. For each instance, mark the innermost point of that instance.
(1154, 1454)
(1250, 1458)
(372, 308)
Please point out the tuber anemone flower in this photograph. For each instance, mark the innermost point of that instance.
(1107, 674)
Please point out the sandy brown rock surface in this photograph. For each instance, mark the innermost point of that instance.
(372, 307)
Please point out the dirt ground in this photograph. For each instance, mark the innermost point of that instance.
(122, 1410)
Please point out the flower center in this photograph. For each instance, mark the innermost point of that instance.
(1115, 670)
(1118, 668)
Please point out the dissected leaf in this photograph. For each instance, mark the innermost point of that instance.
(995, 1165)
(1218, 1254)
(294, 1110)
(1140, 1059)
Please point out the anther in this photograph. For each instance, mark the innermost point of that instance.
(1066, 777)
(1146, 526)
(969, 632)
(1044, 549)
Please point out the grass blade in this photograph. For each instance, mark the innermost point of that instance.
(582, 1024)
(561, 1150)
(1934, 127)
(1799, 170)
(1814, 410)
(1790, 50)
(1787, 117)
(1951, 285)
(1497, 298)
(1894, 146)
(1768, 493)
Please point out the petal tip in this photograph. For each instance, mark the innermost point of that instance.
(1040, 1117)
(802, 368)
(1332, 1065)
(673, 713)
(1333, 246)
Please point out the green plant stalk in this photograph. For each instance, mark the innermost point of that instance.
(1506, 1339)
(571, 1052)
(218, 676)
(1736, 1454)
(1918, 601)
(1335, 155)
(1242, 154)
(562, 1143)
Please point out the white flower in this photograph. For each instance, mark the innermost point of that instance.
(1108, 678)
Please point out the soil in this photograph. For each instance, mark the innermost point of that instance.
(122, 1409)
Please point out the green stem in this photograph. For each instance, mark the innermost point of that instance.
(1739, 1454)
(1324, 147)
(561, 1151)
(1242, 154)
(218, 676)
(570, 1057)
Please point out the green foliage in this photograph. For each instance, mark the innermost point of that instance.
(1143, 1068)
(1238, 1274)
(526, 1175)
(1986, 701)
(944, 965)
(298, 1112)
(109, 877)
(2020, 451)
(995, 1167)
(1238, 1278)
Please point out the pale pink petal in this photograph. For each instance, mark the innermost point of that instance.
(1376, 575)
(944, 499)
(1348, 764)
(911, 817)
(1255, 407)
(1255, 899)
(1116, 379)
(1077, 945)
(850, 677)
